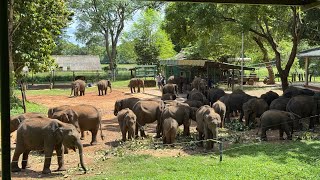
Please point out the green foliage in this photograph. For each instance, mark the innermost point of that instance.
(67, 48)
(31, 107)
(126, 53)
(36, 24)
(147, 52)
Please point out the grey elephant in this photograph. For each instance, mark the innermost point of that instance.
(56, 109)
(253, 109)
(207, 124)
(269, 97)
(194, 103)
(214, 94)
(148, 111)
(127, 122)
(78, 86)
(136, 82)
(182, 113)
(199, 84)
(292, 91)
(48, 135)
(15, 121)
(103, 87)
(195, 94)
(279, 103)
(235, 102)
(304, 106)
(170, 127)
(276, 119)
(124, 103)
(84, 117)
(168, 96)
(220, 108)
(170, 88)
(179, 81)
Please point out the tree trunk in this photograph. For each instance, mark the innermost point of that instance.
(284, 80)
(265, 59)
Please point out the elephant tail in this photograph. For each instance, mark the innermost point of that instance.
(102, 136)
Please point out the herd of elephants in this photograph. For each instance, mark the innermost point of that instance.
(64, 126)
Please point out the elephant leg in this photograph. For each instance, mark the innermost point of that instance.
(281, 133)
(159, 129)
(200, 139)
(105, 91)
(138, 88)
(15, 159)
(94, 133)
(48, 151)
(186, 128)
(264, 134)
(131, 89)
(124, 134)
(60, 155)
(130, 133)
(25, 159)
(286, 129)
(82, 135)
(136, 130)
(208, 135)
(164, 139)
(241, 116)
(142, 133)
(311, 123)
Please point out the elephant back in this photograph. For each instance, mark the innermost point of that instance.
(214, 94)
(279, 103)
(51, 111)
(148, 111)
(301, 105)
(269, 96)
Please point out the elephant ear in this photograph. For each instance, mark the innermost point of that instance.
(73, 118)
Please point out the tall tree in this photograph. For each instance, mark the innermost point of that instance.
(33, 26)
(106, 19)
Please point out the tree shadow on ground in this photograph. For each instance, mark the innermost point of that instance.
(36, 175)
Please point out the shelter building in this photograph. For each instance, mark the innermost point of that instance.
(78, 62)
(307, 56)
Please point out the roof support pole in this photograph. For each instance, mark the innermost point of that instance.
(242, 60)
(307, 73)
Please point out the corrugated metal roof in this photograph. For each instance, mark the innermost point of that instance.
(78, 62)
(310, 53)
(183, 62)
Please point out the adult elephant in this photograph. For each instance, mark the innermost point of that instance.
(15, 121)
(124, 103)
(214, 94)
(304, 106)
(148, 111)
(48, 135)
(136, 82)
(78, 86)
(253, 109)
(103, 86)
(207, 124)
(182, 113)
(292, 91)
(276, 119)
(84, 117)
(235, 102)
(170, 88)
(279, 103)
(198, 96)
(269, 97)
(57, 109)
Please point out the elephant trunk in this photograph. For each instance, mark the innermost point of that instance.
(71, 91)
(81, 156)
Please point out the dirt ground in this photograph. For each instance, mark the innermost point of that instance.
(110, 129)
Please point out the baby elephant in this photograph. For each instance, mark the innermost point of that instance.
(127, 122)
(276, 119)
(15, 121)
(170, 127)
(103, 87)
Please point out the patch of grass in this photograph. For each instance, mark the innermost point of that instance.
(285, 160)
(31, 107)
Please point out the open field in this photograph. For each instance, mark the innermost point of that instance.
(245, 157)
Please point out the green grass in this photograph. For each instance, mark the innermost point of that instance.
(31, 107)
(292, 160)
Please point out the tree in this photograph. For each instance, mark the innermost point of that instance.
(126, 53)
(151, 42)
(33, 26)
(273, 24)
(106, 19)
